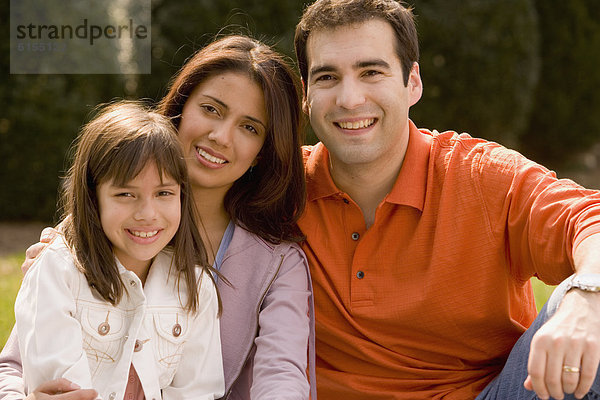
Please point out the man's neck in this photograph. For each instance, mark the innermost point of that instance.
(367, 184)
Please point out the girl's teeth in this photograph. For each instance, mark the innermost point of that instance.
(143, 234)
(210, 157)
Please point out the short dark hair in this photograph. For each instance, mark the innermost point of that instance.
(330, 14)
(268, 200)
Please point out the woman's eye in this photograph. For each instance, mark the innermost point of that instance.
(251, 128)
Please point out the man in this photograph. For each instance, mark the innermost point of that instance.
(421, 245)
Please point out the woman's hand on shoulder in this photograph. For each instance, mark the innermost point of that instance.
(34, 250)
(61, 389)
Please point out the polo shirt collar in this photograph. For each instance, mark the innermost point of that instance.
(411, 185)
(409, 188)
(319, 183)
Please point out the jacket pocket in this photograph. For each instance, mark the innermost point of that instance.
(172, 331)
(103, 331)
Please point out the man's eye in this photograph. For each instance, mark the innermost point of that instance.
(372, 73)
(324, 78)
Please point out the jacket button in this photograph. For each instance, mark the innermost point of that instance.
(176, 330)
(103, 328)
(132, 282)
(355, 235)
(360, 274)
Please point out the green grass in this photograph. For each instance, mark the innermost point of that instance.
(10, 280)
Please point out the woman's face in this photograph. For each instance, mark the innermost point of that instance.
(222, 129)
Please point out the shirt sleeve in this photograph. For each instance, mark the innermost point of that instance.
(50, 338)
(200, 371)
(280, 362)
(542, 217)
(11, 372)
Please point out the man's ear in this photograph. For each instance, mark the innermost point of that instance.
(415, 85)
(304, 101)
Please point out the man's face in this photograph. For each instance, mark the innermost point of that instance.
(356, 98)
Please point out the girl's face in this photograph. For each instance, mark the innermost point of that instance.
(222, 129)
(140, 218)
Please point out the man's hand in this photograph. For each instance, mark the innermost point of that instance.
(61, 389)
(35, 249)
(571, 338)
(565, 351)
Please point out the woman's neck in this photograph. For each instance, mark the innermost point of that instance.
(213, 218)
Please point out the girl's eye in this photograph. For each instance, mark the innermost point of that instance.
(209, 109)
(165, 193)
(124, 194)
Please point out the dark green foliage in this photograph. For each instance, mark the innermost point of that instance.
(479, 64)
(566, 117)
(521, 72)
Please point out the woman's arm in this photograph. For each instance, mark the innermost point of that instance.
(280, 361)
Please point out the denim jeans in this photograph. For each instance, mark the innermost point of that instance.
(509, 384)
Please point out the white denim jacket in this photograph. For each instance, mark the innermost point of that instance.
(65, 330)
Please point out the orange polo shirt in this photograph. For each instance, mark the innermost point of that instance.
(428, 302)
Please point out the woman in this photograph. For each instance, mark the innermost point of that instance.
(235, 104)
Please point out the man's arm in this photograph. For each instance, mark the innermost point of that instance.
(571, 337)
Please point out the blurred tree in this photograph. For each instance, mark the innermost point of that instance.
(565, 118)
(479, 64)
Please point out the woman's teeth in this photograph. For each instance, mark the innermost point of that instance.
(210, 157)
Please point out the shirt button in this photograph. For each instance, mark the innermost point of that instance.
(360, 274)
(138, 346)
(355, 235)
(132, 282)
(112, 396)
(346, 201)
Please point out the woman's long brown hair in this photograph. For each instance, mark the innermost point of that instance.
(268, 199)
(115, 146)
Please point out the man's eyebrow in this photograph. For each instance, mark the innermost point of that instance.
(377, 62)
(372, 63)
(323, 68)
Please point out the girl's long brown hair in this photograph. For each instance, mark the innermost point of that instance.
(115, 146)
(268, 199)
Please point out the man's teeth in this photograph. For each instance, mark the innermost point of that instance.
(357, 124)
(144, 234)
(210, 157)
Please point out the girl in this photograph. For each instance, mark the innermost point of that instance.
(119, 293)
(236, 106)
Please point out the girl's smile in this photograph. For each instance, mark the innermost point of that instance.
(140, 218)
